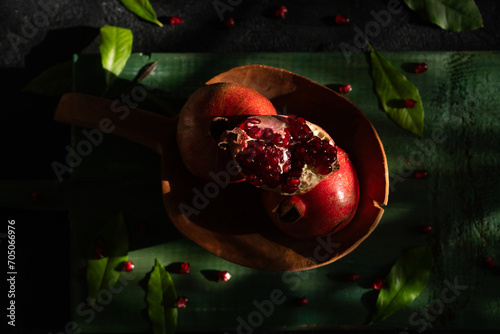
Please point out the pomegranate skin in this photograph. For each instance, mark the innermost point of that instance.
(198, 148)
(324, 210)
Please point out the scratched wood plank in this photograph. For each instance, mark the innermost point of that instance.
(459, 199)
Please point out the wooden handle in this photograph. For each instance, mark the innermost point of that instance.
(141, 126)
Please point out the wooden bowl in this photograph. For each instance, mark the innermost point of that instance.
(229, 220)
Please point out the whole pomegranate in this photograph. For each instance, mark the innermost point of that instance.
(198, 147)
(285, 154)
(325, 209)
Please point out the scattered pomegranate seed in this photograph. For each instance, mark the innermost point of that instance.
(420, 68)
(352, 277)
(224, 276)
(99, 254)
(341, 20)
(281, 12)
(489, 262)
(425, 228)
(378, 284)
(344, 89)
(181, 302)
(35, 197)
(175, 20)
(184, 269)
(302, 301)
(421, 174)
(409, 103)
(229, 23)
(128, 266)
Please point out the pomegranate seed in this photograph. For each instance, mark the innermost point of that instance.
(344, 89)
(281, 12)
(128, 266)
(224, 276)
(341, 20)
(99, 254)
(409, 103)
(181, 302)
(378, 284)
(420, 68)
(229, 23)
(35, 197)
(352, 277)
(175, 20)
(143, 227)
(420, 174)
(425, 228)
(302, 301)
(489, 262)
(184, 269)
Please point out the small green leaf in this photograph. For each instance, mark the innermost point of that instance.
(102, 274)
(115, 49)
(143, 9)
(54, 81)
(161, 298)
(449, 14)
(405, 281)
(393, 88)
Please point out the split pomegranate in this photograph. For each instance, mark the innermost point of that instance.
(324, 210)
(285, 154)
(198, 147)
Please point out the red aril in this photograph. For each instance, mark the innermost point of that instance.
(285, 154)
(325, 209)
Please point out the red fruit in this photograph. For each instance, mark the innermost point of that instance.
(425, 228)
(420, 67)
(409, 103)
(341, 20)
(128, 266)
(229, 23)
(378, 284)
(224, 276)
(489, 262)
(344, 89)
(325, 209)
(175, 20)
(352, 277)
(302, 301)
(184, 269)
(285, 154)
(198, 147)
(281, 12)
(420, 174)
(181, 302)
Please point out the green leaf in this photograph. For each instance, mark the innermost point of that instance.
(115, 49)
(161, 298)
(102, 274)
(54, 81)
(393, 88)
(405, 281)
(449, 14)
(143, 9)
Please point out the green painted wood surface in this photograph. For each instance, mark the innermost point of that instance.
(460, 199)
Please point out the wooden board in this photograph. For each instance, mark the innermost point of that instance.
(459, 199)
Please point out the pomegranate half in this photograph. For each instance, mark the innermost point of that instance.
(285, 154)
(324, 210)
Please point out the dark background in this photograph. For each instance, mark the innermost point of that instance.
(51, 31)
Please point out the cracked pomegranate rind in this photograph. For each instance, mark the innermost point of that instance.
(284, 154)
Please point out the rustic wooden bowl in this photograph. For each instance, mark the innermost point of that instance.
(232, 223)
